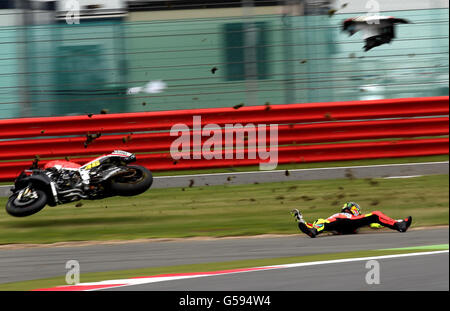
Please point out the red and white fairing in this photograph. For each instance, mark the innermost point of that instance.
(75, 166)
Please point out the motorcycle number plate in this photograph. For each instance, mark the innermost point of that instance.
(91, 165)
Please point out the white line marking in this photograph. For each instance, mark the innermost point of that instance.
(302, 169)
(410, 176)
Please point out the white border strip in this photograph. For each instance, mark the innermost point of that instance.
(304, 169)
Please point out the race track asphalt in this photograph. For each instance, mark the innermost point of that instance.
(43, 262)
(419, 273)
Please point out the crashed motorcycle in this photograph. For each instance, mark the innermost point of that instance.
(61, 182)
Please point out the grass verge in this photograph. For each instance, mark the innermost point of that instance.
(228, 210)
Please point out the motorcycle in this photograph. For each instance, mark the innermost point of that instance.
(63, 182)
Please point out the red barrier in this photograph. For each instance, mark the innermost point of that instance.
(287, 135)
(276, 114)
(320, 124)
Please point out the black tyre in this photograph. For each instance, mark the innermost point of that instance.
(136, 181)
(26, 207)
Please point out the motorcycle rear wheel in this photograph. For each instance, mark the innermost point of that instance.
(138, 180)
(16, 209)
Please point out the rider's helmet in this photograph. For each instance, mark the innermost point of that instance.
(352, 208)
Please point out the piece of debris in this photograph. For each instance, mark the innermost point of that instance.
(104, 111)
(214, 69)
(306, 198)
(238, 106)
(377, 30)
(90, 138)
(373, 182)
(328, 116)
(303, 61)
(126, 139)
(349, 174)
(331, 12)
(34, 164)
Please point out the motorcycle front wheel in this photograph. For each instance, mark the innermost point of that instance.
(22, 204)
(136, 180)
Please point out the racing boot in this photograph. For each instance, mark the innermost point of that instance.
(403, 225)
(302, 225)
(298, 216)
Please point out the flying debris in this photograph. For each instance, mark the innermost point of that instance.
(238, 106)
(332, 12)
(90, 138)
(376, 30)
(34, 164)
(152, 87)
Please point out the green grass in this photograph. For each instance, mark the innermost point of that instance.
(203, 267)
(229, 210)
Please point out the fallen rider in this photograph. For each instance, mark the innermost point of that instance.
(349, 220)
